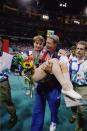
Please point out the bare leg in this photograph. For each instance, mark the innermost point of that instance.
(66, 75)
(39, 74)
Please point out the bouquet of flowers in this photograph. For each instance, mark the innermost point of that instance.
(27, 69)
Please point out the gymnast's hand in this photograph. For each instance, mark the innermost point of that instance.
(48, 67)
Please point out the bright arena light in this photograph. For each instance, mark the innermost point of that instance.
(63, 4)
(76, 22)
(85, 11)
(45, 17)
(26, 1)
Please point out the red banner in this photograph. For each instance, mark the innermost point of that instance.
(6, 45)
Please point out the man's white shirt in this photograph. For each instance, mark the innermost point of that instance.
(5, 61)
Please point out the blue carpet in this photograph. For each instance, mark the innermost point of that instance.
(24, 107)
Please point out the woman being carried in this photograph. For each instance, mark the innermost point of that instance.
(60, 71)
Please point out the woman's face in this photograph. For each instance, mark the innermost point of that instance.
(38, 45)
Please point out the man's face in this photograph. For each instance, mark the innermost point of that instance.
(73, 51)
(80, 51)
(86, 54)
(51, 45)
(38, 45)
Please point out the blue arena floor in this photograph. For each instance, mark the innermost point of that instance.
(24, 107)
